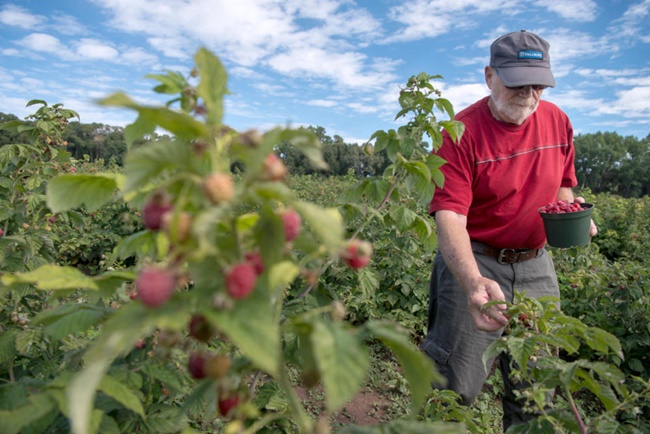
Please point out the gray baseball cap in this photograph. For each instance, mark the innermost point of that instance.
(522, 58)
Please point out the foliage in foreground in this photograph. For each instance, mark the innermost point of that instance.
(223, 296)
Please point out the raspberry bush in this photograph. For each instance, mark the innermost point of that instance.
(214, 263)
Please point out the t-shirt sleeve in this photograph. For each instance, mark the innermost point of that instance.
(456, 192)
(569, 178)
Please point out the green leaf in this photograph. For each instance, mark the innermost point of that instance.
(26, 338)
(66, 192)
(167, 375)
(163, 419)
(181, 125)
(122, 394)
(251, 325)
(326, 223)
(280, 276)
(419, 369)
(342, 361)
(7, 346)
(69, 319)
(403, 217)
(212, 86)
(145, 163)
(52, 277)
(138, 129)
(119, 334)
(38, 405)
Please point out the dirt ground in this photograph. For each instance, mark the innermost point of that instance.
(367, 408)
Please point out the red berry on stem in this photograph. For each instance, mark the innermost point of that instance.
(292, 222)
(357, 253)
(255, 259)
(155, 286)
(153, 211)
(196, 365)
(240, 280)
(200, 329)
(227, 404)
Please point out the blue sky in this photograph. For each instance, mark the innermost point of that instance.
(338, 64)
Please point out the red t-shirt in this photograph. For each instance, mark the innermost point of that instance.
(500, 174)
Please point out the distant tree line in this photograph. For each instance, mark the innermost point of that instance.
(605, 162)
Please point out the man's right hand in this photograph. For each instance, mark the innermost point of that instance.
(482, 291)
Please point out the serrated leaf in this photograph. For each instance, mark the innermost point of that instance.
(280, 276)
(212, 86)
(342, 361)
(181, 125)
(7, 345)
(402, 216)
(326, 223)
(69, 319)
(145, 163)
(257, 335)
(162, 419)
(137, 130)
(404, 426)
(52, 277)
(368, 280)
(167, 375)
(66, 192)
(25, 339)
(418, 368)
(122, 394)
(119, 334)
(38, 405)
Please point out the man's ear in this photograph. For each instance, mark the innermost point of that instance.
(489, 75)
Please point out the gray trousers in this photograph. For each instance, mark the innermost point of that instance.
(457, 346)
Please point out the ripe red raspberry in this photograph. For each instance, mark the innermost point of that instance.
(273, 168)
(255, 259)
(227, 404)
(240, 280)
(218, 187)
(357, 253)
(200, 329)
(292, 222)
(155, 286)
(153, 211)
(196, 365)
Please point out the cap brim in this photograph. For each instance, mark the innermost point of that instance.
(522, 76)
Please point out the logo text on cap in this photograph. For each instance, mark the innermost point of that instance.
(530, 54)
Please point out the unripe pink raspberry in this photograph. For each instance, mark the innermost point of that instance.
(292, 222)
(155, 286)
(357, 253)
(218, 187)
(274, 168)
(240, 280)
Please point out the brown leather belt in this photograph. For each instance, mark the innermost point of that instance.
(505, 256)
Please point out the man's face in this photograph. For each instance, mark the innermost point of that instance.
(512, 105)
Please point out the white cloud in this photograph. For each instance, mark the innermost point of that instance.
(323, 103)
(574, 10)
(45, 43)
(12, 15)
(96, 50)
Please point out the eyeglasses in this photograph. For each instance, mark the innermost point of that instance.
(535, 87)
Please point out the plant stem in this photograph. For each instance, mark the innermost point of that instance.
(302, 419)
(574, 409)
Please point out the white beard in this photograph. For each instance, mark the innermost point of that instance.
(517, 109)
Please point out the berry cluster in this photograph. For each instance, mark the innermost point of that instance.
(561, 207)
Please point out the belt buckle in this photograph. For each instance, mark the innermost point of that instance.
(502, 254)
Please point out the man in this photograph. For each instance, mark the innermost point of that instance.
(515, 156)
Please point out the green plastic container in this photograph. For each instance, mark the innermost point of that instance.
(569, 229)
